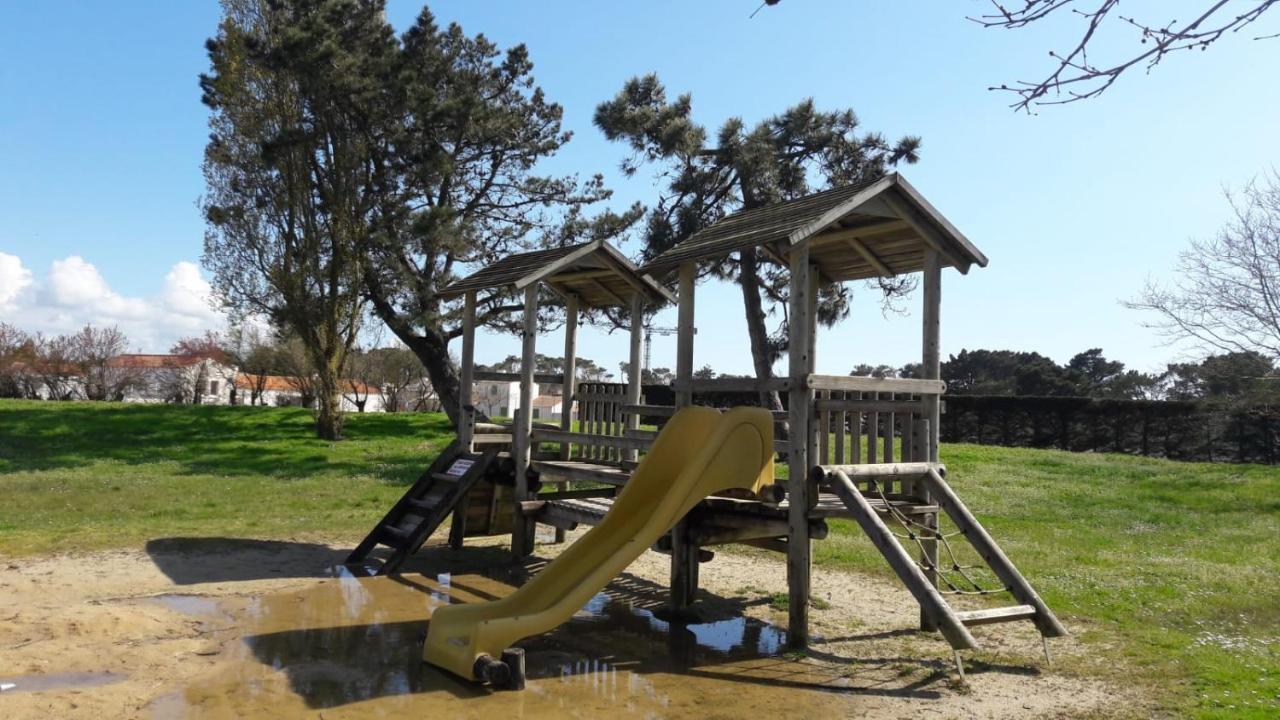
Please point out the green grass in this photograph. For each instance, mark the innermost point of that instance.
(1168, 572)
(1171, 568)
(94, 475)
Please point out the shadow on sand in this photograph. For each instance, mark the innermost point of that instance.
(620, 630)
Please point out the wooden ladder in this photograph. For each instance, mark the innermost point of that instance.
(441, 489)
(953, 624)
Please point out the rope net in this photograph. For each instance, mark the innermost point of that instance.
(956, 577)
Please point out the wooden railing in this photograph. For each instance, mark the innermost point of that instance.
(601, 415)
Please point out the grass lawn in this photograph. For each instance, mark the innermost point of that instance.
(94, 475)
(1171, 571)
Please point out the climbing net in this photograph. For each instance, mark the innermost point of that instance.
(957, 577)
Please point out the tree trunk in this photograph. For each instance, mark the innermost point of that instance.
(328, 403)
(749, 281)
(430, 346)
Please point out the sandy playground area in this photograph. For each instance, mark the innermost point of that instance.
(221, 628)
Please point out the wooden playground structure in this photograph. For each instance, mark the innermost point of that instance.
(862, 448)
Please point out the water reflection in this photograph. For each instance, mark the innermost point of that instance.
(352, 640)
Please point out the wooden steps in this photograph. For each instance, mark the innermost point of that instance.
(953, 624)
(424, 506)
(990, 616)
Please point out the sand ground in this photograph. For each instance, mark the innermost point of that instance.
(208, 627)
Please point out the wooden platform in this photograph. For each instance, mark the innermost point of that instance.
(591, 511)
(580, 471)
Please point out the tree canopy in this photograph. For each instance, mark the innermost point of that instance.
(707, 176)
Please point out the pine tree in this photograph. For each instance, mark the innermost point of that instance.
(797, 152)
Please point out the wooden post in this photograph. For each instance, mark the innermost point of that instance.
(812, 365)
(522, 426)
(635, 377)
(570, 385)
(798, 550)
(685, 332)
(466, 383)
(931, 365)
(684, 555)
(930, 356)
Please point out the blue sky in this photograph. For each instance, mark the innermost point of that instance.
(101, 133)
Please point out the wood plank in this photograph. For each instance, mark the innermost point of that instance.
(733, 385)
(874, 384)
(836, 405)
(989, 616)
(653, 410)
(578, 471)
(591, 439)
(839, 420)
(544, 378)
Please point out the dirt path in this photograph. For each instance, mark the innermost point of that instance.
(232, 628)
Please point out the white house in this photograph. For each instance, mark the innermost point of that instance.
(283, 391)
(173, 378)
(500, 399)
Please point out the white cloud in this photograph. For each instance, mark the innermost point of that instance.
(74, 293)
(14, 279)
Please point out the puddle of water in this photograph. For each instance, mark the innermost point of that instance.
(355, 643)
(193, 605)
(59, 681)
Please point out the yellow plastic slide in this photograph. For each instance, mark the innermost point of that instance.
(699, 452)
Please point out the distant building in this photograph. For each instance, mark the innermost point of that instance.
(500, 399)
(174, 378)
(284, 391)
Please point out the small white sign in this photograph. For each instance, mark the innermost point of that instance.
(460, 467)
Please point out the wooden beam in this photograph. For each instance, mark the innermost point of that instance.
(902, 406)
(551, 268)
(522, 428)
(685, 332)
(798, 546)
(466, 381)
(885, 226)
(732, 385)
(869, 256)
(922, 225)
(581, 275)
(617, 441)
(604, 289)
(862, 383)
(542, 378)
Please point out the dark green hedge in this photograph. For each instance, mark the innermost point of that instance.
(1200, 430)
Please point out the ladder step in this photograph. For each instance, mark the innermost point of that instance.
(996, 615)
(445, 477)
(393, 536)
(425, 505)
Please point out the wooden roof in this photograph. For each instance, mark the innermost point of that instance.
(596, 272)
(879, 228)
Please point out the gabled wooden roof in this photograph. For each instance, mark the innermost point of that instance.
(879, 228)
(596, 272)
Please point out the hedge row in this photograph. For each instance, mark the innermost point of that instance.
(1191, 430)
